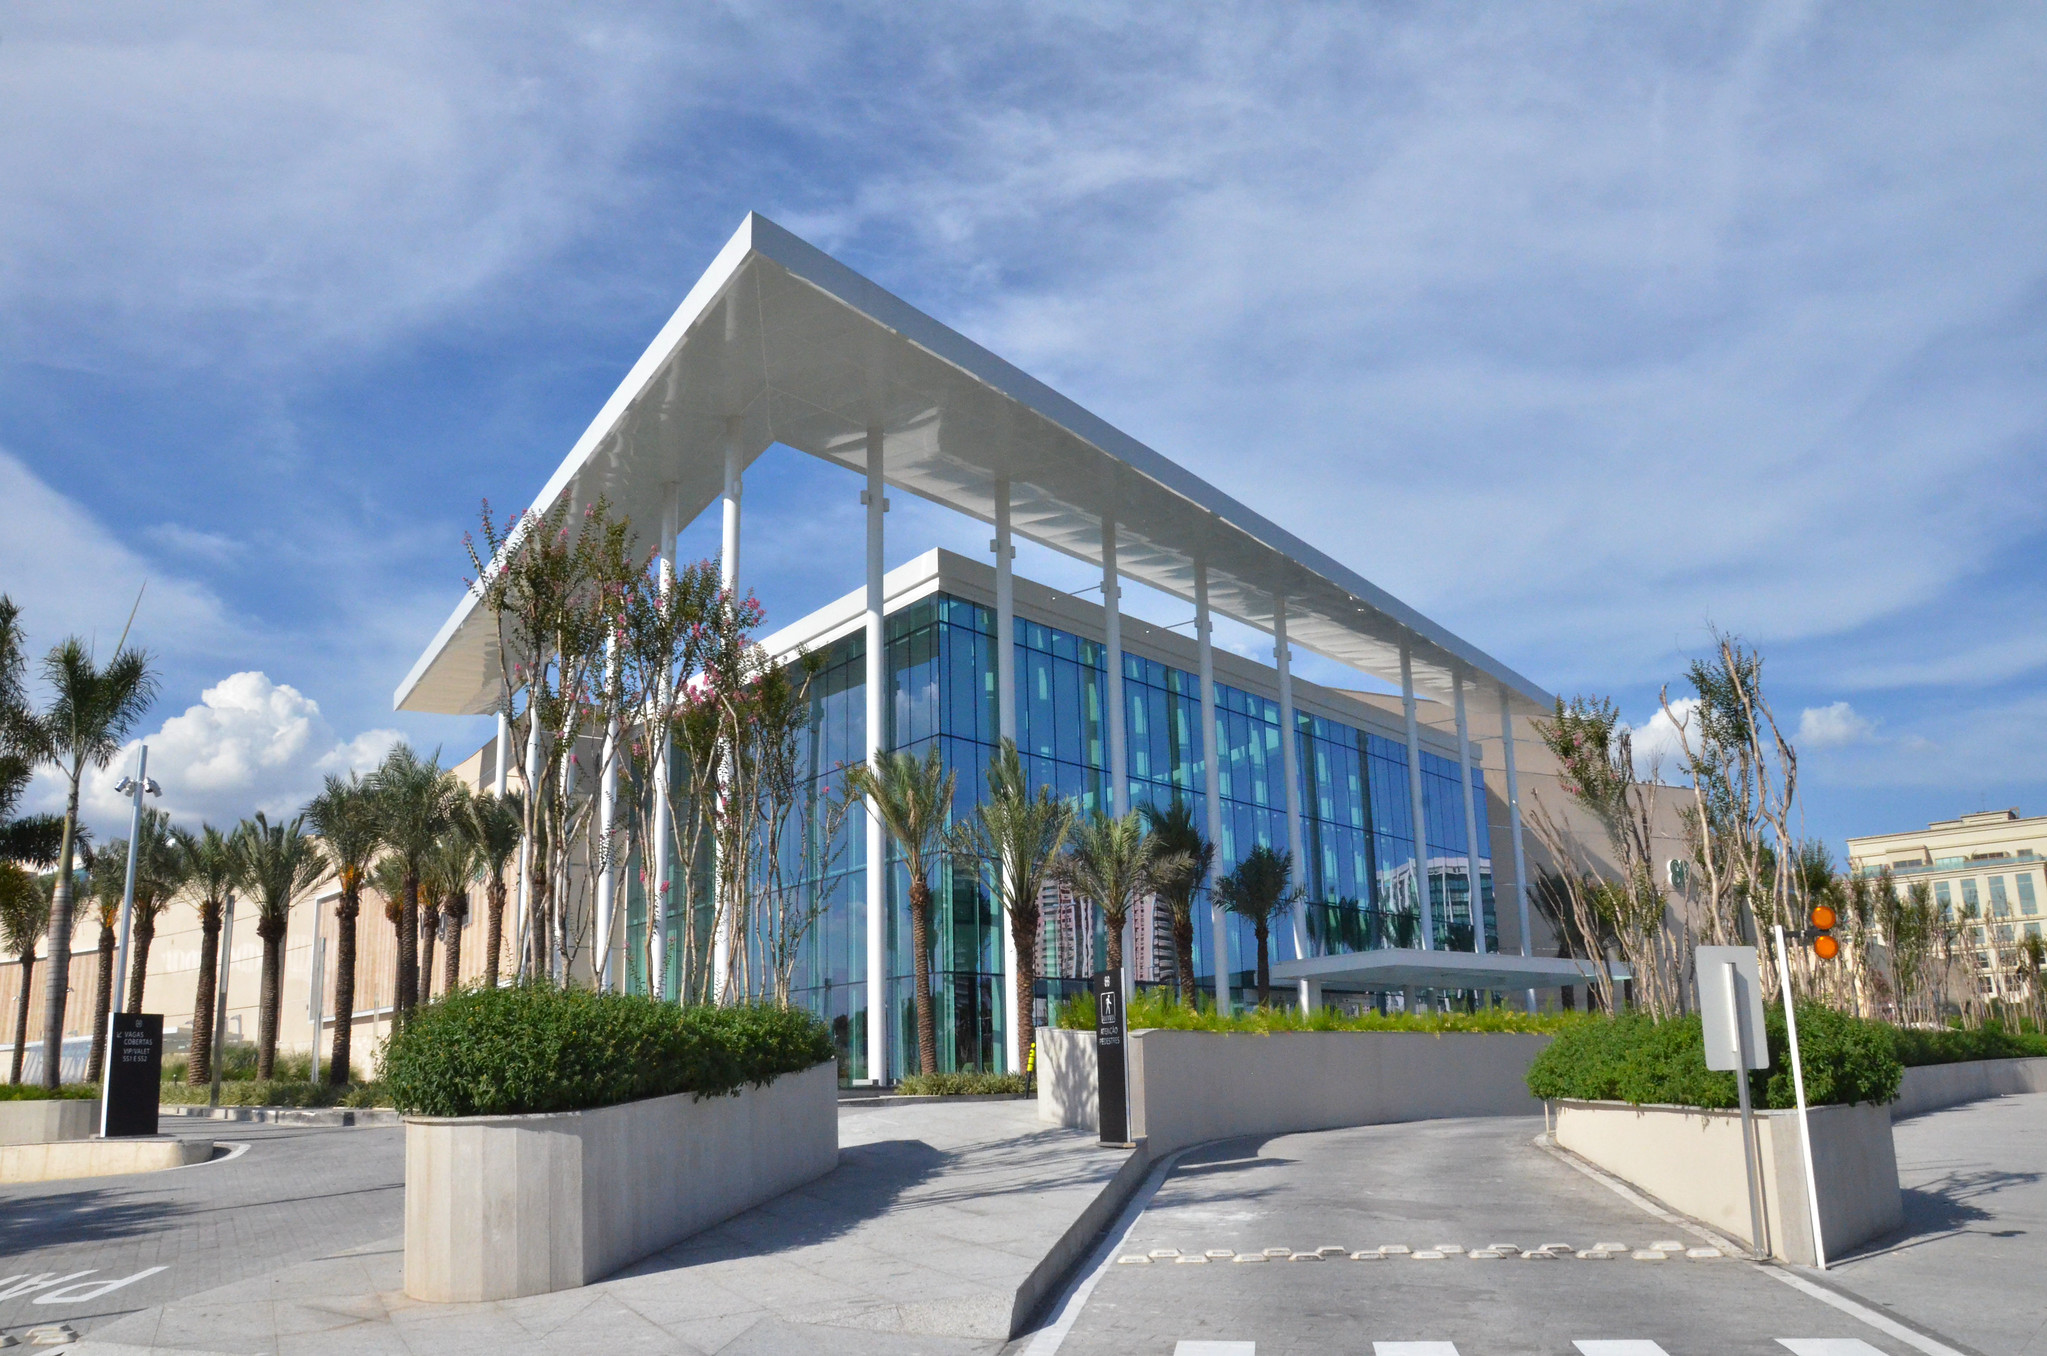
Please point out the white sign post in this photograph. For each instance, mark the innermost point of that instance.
(1812, 1185)
(1731, 1011)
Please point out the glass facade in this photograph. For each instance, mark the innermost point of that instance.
(1357, 829)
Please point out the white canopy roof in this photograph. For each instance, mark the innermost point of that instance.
(780, 343)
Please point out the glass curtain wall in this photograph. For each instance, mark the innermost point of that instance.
(1357, 829)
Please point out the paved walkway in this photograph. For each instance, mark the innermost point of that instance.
(1969, 1259)
(917, 1243)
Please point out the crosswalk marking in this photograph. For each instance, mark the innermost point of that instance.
(1184, 1348)
(1414, 1349)
(1827, 1346)
(1627, 1348)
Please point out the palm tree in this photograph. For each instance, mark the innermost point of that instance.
(914, 801)
(433, 888)
(89, 718)
(415, 801)
(159, 874)
(452, 868)
(1186, 858)
(1259, 889)
(24, 917)
(494, 824)
(106, 877)
(30, 840)
(387, 878)
(345, 818)
(1019, 832)
(279, 862)
(1113, 863)
(212, 866)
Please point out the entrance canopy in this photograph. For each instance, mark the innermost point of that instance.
(1394, 968)
(780, 343)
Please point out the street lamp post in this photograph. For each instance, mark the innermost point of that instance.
(132, 787)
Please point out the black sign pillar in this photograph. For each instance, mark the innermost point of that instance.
(134, 1074)
(1111, 1074)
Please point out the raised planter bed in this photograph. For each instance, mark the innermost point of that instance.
(49, 1120)
(1187, 1087)
(502, 1206)
(1691, 1160)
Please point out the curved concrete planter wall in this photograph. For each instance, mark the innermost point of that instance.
(1691, 1160)
(48, 1120)
(502, 1206)
(1929, 1087)
(1191, 1086)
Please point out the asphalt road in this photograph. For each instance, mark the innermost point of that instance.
(1469, 1184)
(84, 1250)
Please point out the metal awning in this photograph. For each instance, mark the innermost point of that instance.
(780, 343)
(1397, 968)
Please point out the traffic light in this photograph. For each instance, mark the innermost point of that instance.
(1821, 933)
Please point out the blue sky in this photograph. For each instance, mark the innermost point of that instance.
(1583, 329)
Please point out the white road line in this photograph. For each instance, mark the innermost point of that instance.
(1414, 1349)
(1828, 1346)
(1048, 1338)
(1888, 1326)
(1215, 1349)
(1633, 1347)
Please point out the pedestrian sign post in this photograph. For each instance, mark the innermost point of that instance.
(1112, 1103)
(1731, 1012)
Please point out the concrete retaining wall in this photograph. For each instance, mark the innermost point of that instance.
(62, 1159)
(1929, 1087)
(48, 1120)
(1190, 1086)
(1691, 1160)
(502, 1206)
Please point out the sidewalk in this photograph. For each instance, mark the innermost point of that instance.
(1967, 1262)
(936, 1219)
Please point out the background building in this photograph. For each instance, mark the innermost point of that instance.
(1987, 871)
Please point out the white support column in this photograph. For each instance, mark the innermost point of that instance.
(525, 929)
(607, 828)
(1414, 790)
(657, 891)
(1211, 779)
(1470, 824)
(1118, 797)
(1005, 728)
(877, 856)
(728, 580)
(1290, 773)
(1514, 833)
(502, 753)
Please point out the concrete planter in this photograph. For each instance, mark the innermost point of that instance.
(58, 1160)
(49, 1120)
(1190, 1086)
(1691, 1160)
(1929, 1087)
(502, 1206)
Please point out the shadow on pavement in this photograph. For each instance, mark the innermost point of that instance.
(1945, 1207)
(37, 1223)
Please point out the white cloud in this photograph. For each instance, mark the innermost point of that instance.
(250, 744)
(1831, 727)
(1658, 744)
(71, 576)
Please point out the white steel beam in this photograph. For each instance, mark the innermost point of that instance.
(877, 857)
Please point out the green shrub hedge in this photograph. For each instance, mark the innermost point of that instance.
(1155, 1009)
(275, 1092)
(1916, 1045)
(36, 1092)
(960, 1084)
(1633, 1058)
(532, 1047)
